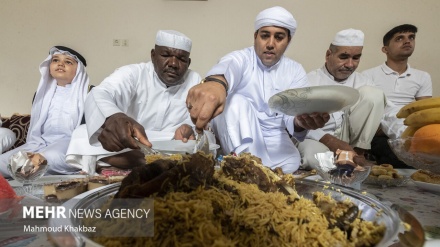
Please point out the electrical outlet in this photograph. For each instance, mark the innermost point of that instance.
(124, 42)
(116, 42)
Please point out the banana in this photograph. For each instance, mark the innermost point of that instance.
(418, 106)
(409, 132)
(423, 117)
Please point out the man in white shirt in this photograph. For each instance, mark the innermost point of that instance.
(144, 101)
(352, 129)
(7, 138)
(251, 76)
(401, 85)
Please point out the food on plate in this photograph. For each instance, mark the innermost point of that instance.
(238, 205)
(426, 176)
(385, 175)
(111, 171)
(153, 157)
(65, 190)
(384, 171)
(418, 106)
(164, 175)
(99, 181)
(426, 140)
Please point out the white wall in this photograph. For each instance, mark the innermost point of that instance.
(28, 28)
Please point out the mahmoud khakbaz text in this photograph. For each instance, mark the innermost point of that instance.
(60, 212)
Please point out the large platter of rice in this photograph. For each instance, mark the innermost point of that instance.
(190, 219)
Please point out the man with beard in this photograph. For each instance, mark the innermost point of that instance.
(354, 128)
(240, 86)
(144, 101)
(400, 83)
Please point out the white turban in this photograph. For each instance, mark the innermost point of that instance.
(276, 16)
(173, 39)
(349, 37)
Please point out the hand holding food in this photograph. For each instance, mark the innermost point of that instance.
(119, 131)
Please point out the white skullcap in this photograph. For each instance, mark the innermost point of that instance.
(173, 39)
(276, 16)
(349, 37)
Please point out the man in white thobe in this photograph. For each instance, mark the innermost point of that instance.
(401, 85)
(56, 111)
(145, 100)
(353, 129)
(251, 76)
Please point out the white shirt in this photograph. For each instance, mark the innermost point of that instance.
(247, 76)
(58, 124)
(137, 91)
(322, 77)
(401, 89)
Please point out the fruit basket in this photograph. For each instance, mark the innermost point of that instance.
(422, 161)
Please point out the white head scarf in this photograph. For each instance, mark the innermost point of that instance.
(46, 90)
(173, 39)
(276, 16)
(349, 37)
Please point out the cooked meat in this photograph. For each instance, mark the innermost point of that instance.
(244, 169)
(162, 176)
(278, 171)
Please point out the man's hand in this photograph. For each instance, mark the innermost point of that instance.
(206, 101)
(119, 131)
(310, 121)
(334, 143)
(184, 133)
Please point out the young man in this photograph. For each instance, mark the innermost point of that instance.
(250, 77)
(353, 129)
(145, 100)
(401, 84)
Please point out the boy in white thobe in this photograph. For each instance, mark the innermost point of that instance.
(57, 110)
